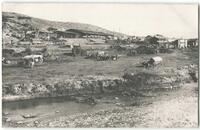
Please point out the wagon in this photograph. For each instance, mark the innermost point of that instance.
(31, 60)
(154, 61)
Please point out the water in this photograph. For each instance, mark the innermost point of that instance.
(47, 107)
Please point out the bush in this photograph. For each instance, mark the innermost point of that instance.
(145, 50)
(28, 51)
(165, 50)
(44, 50)
(131, 52)
(118, 48)
(7, 52)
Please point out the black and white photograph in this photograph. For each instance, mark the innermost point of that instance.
(99, 65)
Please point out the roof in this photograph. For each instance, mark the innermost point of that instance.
(157, 58)
(193, 39)
(32, 56)
(35, 40)
(86, 32)
(66, 32)
(182, 40)
(24, 17)
(25, 42)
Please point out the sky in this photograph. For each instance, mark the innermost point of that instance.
(171, 20)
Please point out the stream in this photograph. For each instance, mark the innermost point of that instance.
(43, 108)
(50, 108)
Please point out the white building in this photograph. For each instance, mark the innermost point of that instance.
(182, 43)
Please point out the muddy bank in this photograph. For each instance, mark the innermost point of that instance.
(129, 84)
(182, 112)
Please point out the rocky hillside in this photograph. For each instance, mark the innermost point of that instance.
(14, 24)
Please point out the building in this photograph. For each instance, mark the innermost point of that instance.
(89, 34)
(161, 38)
(193, 42)
(135, 39)
(46, 35)
(162, 41)
(172, 39)
(67, 34)
(51, 36)
(36, 41)
(42, 34)
(181, 43)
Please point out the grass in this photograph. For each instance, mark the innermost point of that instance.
(79, 66)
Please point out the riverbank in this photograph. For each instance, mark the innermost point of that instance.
(132, 83)
(175, 108)
(57, 87)
(61, 79)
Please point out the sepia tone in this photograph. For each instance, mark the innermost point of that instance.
(99, 65)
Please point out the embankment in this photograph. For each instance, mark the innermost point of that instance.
(131, 83)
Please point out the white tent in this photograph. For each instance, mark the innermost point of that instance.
(156, 59)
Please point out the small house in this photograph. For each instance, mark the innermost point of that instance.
(181, 43)
(192, 42)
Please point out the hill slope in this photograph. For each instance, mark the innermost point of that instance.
(16, 23)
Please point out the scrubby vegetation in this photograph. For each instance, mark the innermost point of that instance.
(129, 82)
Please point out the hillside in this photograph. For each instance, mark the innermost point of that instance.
(15, 24)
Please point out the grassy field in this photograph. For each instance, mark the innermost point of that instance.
(79, 66)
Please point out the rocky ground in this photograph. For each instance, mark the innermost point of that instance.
(179, 111)
(171, 109)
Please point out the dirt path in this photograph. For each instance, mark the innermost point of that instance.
(180, 111)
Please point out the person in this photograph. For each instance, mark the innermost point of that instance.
(31, 63)
(40, 59)
(74, 52)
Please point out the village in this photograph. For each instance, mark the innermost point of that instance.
(92, 68)
(86, 43)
